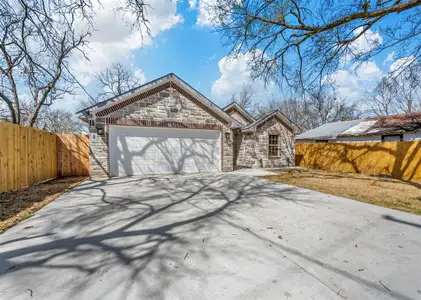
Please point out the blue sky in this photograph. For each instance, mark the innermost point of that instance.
(184, 43)
(188, 50)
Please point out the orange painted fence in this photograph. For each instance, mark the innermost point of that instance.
(401, 160)
(29, 156)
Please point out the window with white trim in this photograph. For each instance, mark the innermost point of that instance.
(273, 147)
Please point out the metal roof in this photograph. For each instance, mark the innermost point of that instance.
(328, 130)
(391, 124)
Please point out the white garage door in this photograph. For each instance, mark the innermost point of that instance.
(146, 150)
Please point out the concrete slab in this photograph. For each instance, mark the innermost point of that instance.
(254, 172)
(214, 236)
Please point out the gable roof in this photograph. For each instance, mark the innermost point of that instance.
(115, 103)
(234, 105)
(392, 124)
(276, 113)
(170, 80)
(87, 111)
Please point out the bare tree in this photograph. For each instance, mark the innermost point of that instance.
(113, 81)
(294, 108)
(4, 114)
(327, 107)
(54, 120)
(320, 107)
(302, 41)
(381, 100)
(397, 92)
(116, 80)
(37, 39)
(245, 98)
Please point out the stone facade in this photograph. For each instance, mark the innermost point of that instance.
(98, 156)
(168, 107)
(238, 117)
(251, 149)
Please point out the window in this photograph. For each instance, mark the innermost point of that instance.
(392, 138)
(273, 145)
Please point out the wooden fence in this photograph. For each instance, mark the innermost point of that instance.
(401, 160)
(72, 155)
(29, 156)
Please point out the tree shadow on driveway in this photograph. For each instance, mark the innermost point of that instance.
(147, 224)
(134, 237)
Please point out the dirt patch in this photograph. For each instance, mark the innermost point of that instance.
(19, 205)
(391, 193)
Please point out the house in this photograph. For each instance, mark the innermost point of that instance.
(166, 126)
(401, 127)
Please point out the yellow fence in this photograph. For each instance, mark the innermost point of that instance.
(29, 156)
(401, 160)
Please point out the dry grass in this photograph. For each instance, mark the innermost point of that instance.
(391, 193)
(19, 205)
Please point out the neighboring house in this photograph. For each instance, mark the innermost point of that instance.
(166, 126)
(402, 127)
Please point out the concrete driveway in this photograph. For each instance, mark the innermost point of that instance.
(215, 236)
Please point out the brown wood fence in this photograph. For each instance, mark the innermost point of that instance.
(401, 160)
(72, 155)
(29, 156)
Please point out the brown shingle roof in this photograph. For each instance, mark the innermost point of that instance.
(397, 123)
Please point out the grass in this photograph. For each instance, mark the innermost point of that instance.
(386, 192)
(16, 206)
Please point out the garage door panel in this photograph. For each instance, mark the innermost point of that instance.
(140, 150)
(165, 169)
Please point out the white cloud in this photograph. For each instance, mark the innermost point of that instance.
(403, 70)
(212, 57)
(234, 74)
(114, 40)
(401, 63)
(140, 75)
(355, 82)
(389, 57)
(368, 71)
(71, 102)
(366, 42)
(346, 84)
(204, 15)
(192, 4)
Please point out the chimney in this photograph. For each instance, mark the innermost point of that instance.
(410, 106)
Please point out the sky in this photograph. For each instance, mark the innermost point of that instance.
(183, 42)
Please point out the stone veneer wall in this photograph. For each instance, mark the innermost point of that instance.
(238, 117)
(169, 106)
(253, 147)
(98, 154)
